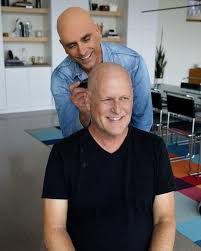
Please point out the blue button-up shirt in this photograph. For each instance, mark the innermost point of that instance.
(68, 72)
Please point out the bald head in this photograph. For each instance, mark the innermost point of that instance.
(80, 37)
(73, 19)
(105, 72)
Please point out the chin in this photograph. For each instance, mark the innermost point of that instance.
(119, 131)
(87, 67)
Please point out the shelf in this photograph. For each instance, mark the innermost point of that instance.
(26, 39)
(24, 10)
(193, 18)
(29, 65)
(106, 13)
(112, 39)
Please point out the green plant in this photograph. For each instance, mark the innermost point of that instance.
(160, 61)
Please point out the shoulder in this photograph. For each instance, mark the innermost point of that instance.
(66, 68)
(70, 143)
(145, 139)
(119, 49)
(121, 54)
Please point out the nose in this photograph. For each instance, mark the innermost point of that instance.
(81, 49)
(116, 108)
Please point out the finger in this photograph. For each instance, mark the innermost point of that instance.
(77, 90)
(80, 102)
(78, 96)
(74, 85)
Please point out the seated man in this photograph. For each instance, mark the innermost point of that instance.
(109, 187)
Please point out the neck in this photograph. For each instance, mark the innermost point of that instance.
(109, 143)
(99, 59)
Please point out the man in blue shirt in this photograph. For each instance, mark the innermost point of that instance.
(81, 40)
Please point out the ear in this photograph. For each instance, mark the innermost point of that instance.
(98, 31)
(65, 49)
(61, 43)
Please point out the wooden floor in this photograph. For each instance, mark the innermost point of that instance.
(22, 165)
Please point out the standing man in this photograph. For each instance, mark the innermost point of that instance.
(109, 187)
(81, 40)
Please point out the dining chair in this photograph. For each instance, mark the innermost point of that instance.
(158, 114)
(183, 107)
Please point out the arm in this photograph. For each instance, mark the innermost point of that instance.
(142, 115)
(55, 234)
(68, 113)
(164, 223)
(78, 97)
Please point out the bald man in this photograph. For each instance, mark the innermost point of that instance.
(109, 187)
(81, 40)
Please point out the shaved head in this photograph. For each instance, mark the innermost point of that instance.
(72, 19)
(80, 37)
(105, 71)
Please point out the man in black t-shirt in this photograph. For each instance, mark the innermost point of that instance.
(109, 187)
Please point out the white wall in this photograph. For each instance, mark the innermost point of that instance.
(2, 73)
(182, 41)
(142, 30)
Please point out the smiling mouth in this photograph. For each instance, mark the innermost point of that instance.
(115, 118)
(86, 58)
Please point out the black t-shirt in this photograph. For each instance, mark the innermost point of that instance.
(110, 196)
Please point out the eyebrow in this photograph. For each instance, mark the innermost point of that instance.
(82, 38)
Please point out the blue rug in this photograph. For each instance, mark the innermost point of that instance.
(48, 136)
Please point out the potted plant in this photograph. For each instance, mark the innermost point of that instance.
(160, 62)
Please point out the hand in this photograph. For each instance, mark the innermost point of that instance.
(78, 97)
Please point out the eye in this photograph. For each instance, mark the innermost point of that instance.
(106, 100)
(87, 38)
(124, 98)
(71, 46)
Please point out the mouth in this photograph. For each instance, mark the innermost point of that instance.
(114, 119)
(85, 59)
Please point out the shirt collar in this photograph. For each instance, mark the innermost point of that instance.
(106, 54)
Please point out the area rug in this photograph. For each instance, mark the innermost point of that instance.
(188, 189)
(48, 136)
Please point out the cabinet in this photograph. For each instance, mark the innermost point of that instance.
(36, 45)
(195, 76)
(28, 88)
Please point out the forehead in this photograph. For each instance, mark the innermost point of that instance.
(76, 31)
(114, 84)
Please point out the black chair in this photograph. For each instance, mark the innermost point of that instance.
(183, 107)
(158, 116)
